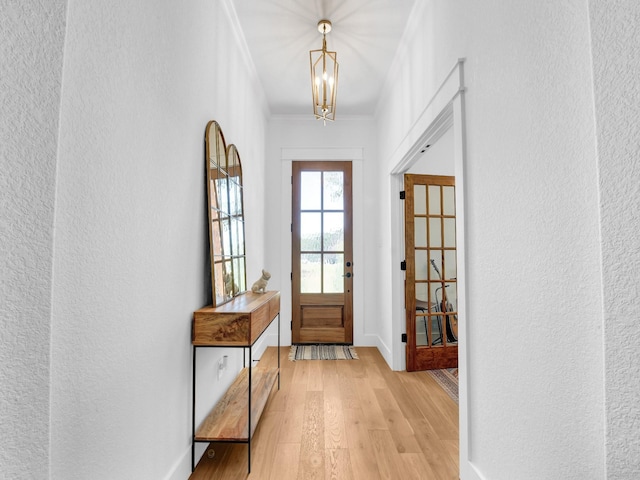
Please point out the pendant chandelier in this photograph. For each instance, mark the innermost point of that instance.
(324, 77)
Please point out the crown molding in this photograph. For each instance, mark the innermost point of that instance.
(241, 42)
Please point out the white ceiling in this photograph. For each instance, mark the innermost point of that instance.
(365, 35)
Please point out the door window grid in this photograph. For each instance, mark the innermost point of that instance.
(435, 277)
(321, 232)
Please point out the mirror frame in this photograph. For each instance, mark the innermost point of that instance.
(225, 206)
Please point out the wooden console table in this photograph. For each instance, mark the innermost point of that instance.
(238, 323)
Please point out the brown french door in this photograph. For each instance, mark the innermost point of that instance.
(322, 260)
(431, 297)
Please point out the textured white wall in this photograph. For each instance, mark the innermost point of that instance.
(536, 405)
(615, 38)
(141, 79)
(31, 46)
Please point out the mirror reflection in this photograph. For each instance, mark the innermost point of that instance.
(226, 218)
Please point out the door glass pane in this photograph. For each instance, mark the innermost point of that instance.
(421, 328)
(333, 198)
(420, 199)
(310, 231)
(450, 232)
(310, 273)
(451, 301)
(310, 190)
(434, 200)
(449, 200)
(450, 270)
(436, 295)
(333, 273)
(420, 227)
(333, 232)
(436, 265)
(422, 265)
(436, 329)
(422, 292)
(451, 297)
(435, 232)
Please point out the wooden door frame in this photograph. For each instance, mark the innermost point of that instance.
(313, 301)
(356, 156)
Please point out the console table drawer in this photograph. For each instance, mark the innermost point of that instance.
(238, 322)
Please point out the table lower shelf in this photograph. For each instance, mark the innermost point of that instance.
(228, 421)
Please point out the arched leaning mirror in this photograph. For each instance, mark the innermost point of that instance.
(226, 217)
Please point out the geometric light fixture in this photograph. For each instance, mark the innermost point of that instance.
(324, 77)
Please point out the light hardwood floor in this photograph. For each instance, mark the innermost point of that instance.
(346, 420)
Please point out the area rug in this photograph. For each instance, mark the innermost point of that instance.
(447, 378)
(322, 352)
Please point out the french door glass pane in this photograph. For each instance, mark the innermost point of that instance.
(422, 292)
(450, 271)
(449, 200)
(436, 294)
(333, 198)
(435, 232)
(420, 199)
(310, 273)
(310, 231)
(333, 273)
(310, 186)
(420, 227)
(333, 231)
(450, 232)
(434, 200)
(436, 264)
(422, 265)
(421, 328)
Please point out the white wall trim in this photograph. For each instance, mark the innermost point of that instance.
(425, 125)
(241, 42)
(322, 153)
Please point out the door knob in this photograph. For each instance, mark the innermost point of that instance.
(348, 275)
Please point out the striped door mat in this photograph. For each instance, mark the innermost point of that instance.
(322, 352)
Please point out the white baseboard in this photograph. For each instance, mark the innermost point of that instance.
(182, 468)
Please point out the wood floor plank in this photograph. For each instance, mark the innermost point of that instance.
(400, 428)
(338, 464)
(389, 461)
(286, 462)
(362, 454)
(335, 436)
(315, 375)
(293, 417)
(312, 450)
(369, 404)
(417, 467)
(264, 444)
